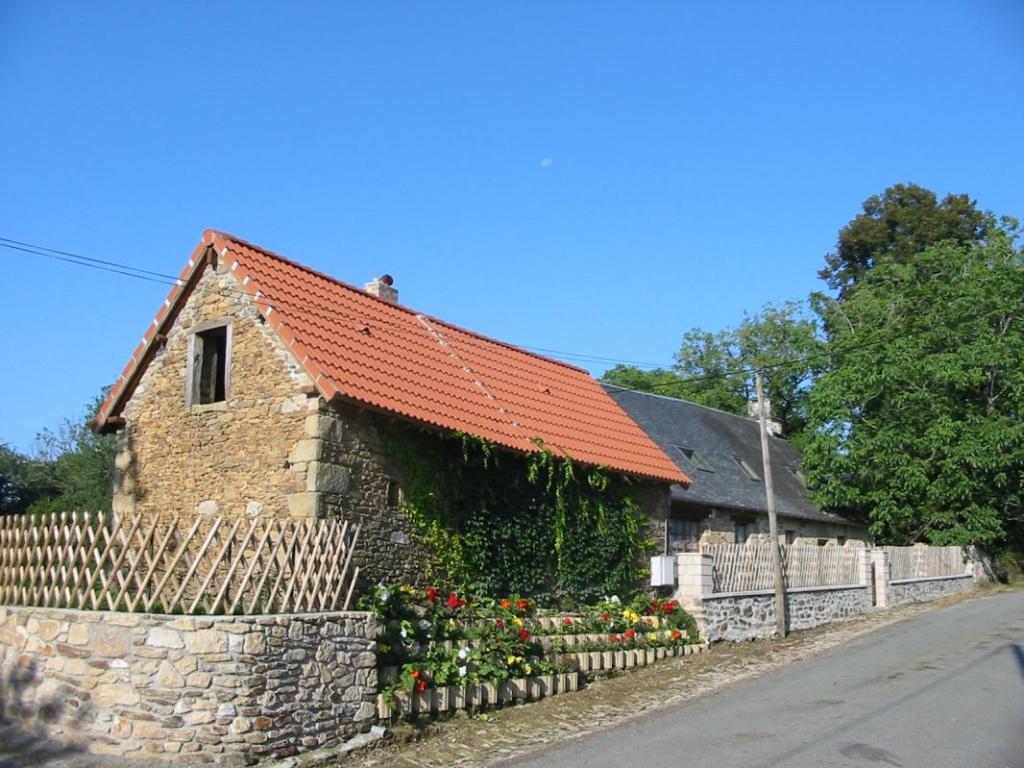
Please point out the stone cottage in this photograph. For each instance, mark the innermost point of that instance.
(725, 503)
(262, 387)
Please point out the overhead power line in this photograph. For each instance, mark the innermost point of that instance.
(127, 270)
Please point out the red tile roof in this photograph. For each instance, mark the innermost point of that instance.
(360, 348)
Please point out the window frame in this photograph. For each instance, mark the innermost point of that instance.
(694, 458)
(193, 370)
(747, 469)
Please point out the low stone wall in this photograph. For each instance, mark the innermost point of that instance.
(923, 590)
(751, 615)
(214, 689)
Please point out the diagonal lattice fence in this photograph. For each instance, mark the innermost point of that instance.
(748, 567)
(187, 565)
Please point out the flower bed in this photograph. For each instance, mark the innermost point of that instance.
(439, 651)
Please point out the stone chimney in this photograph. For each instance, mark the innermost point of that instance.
(774, 427)
(383, 288)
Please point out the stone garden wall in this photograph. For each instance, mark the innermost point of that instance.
(214, 689)
(749, 616)
(924, 590)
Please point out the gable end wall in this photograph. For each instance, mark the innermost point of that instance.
(274, 448)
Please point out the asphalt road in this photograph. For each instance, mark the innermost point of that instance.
(942, 689)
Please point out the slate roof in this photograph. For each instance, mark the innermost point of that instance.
(718, 438)
(362, 349)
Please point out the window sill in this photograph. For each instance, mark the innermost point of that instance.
(221, 405)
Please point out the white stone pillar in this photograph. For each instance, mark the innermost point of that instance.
(694, 580)
(864, 567)
(880, 562)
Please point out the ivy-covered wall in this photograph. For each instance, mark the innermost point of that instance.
(506, 523)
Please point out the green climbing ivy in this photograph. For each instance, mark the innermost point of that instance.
(506, 523)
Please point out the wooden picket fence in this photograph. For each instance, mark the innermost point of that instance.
(188, 565)
(748, 567)
(924, 562)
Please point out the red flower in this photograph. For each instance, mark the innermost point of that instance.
(431, 594)
(676, 634)
(506, 604)
(630, 634)
(415, 674)
(522, 605)
(614, 638)
(524, 635)
(421, 686)
(606, 617)
(500, 623)
(670, 606)
(453, 601)
(566, 621)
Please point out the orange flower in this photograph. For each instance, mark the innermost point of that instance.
(522, 605)
(506, 604)
(630, 634)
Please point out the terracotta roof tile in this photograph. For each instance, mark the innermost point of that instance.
(387, 356)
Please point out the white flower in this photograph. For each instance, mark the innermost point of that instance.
(405, 633)
(614, 599)
(462, 671)
(464, 653)
(385, 595)
(424, 624)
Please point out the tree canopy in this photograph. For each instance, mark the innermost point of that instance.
(70, 469)
(714, 369)
(917, 423)
(895, 226)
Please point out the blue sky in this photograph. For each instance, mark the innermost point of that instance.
(592, 178)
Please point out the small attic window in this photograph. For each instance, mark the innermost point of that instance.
(747, 469)
(695, 458)
(209, 365)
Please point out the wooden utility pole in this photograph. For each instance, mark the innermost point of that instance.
(773, 525)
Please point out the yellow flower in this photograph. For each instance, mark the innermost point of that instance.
(512, 660)
(528, 669)
(407, 589)
(517, 621)
(630, 616)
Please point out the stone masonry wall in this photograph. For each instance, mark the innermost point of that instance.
(721, 529)
(387, 550)
(209, 689)
(750, 616)
(230, 457)
(924, 590)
